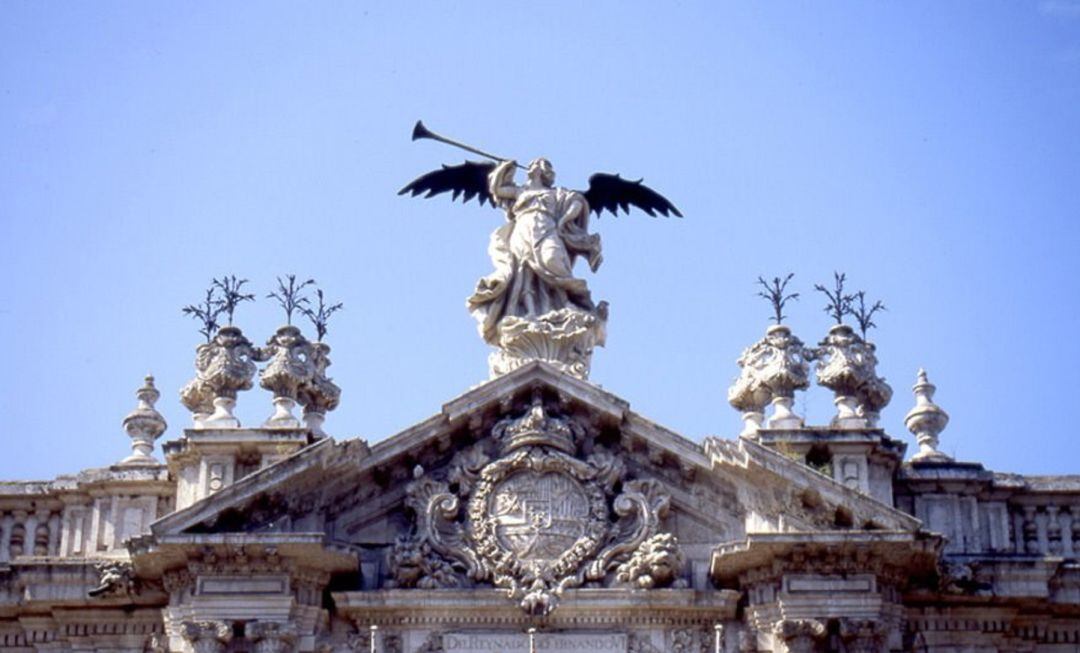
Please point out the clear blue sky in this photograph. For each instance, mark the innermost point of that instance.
(931, 150)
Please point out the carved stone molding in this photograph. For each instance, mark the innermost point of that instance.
(534, 520)
(564, 338)
(271, 637)
(799, 635)
(207, 636)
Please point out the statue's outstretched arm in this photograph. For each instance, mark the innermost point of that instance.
(501, 181)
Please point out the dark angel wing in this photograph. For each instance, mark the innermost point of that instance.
(612, 192)
(469, 180)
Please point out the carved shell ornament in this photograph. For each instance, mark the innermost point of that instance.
(535, 521)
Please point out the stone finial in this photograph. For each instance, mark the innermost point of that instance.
(926, 421)
(847, 365)
(772, 370)
(291, 367)
(319, 394)
(223, 367)
(144, 425)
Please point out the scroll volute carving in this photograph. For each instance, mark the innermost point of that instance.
(534, 518)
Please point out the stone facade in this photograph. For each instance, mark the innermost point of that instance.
(539, 512)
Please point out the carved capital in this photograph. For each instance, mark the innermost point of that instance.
(207, 636)
(271, 637)
(863, 635)
(800, 635)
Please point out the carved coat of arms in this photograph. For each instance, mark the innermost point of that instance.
(536, 519)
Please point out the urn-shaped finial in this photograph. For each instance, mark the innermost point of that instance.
(926, 421)
(320, 394)
(223, 367)
(847, 365)
(290, 367)
(144, 425)
(772, 370)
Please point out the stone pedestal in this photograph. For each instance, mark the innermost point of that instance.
(563, 338)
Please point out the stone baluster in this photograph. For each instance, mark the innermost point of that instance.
(271, 637)
(1053, 531)
(7, 522)
(17, 541)
(1041, 522)
(41, 533)
(1031, 531)
(1017, 530)
(207, 636)
(1065, 523)
(1075, 514)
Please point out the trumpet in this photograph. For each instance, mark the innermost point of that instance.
(420, 131)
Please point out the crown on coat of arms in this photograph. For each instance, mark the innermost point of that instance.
(537, 428)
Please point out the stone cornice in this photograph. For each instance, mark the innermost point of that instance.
(595, 608)
(898, 549)
(744, 456)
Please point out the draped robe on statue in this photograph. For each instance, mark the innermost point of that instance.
(534, 254)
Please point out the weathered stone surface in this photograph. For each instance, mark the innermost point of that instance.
(538, 490)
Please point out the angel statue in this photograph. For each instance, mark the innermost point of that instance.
(532, 307)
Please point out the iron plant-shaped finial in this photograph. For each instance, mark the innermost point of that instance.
(207, 312)
(231, 296)
(774, 293)
(291, 297)
(865, 315)
(320, 315)
(839, 304)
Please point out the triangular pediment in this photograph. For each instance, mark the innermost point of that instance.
(358, 495)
